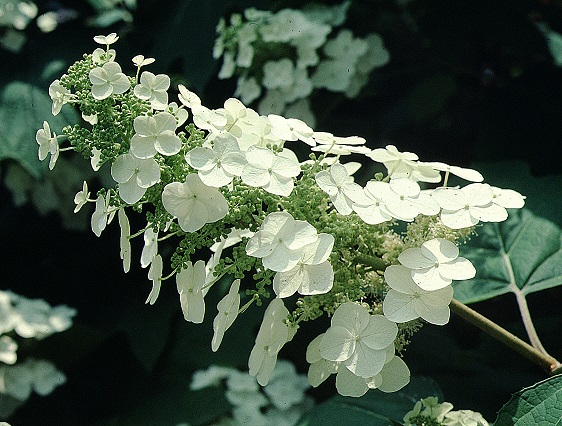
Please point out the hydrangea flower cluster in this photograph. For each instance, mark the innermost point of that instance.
(281, 402)
(428, 411)
(27, 318)
(230, 181)
(283, 57)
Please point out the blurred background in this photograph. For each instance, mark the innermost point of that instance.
(475, 84)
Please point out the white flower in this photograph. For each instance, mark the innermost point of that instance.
(47, 144)
(374, 211)
(271, 171)
(95, 159)
(406, 301)
(124, 243)
(335, 145)
(464, 418)
(190, 282)
(272, 335)
(280, 240)
(194, 203)
(154, 89)
(17, 380)
(208, 119)
(92, 119)
(341, 188)
(394, 160)
(150, 249)
(291, 129)
(107, 40)
(187, 97)
(228, 311)
(103, 214)
(155, 134)
(404, 199)
(358, 339)
(313, 273)
(60, 95)
(155, 275)
(467, 174)
(8, 348)
(436, 263)
(462, 208)
(81, 197)
(107, 80)
(218, 165)
(134, 176)
(141, 61)
(507, 198)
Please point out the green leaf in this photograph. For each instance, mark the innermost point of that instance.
(374, 408)
(537, 405)
(23, 108)
(521, 255)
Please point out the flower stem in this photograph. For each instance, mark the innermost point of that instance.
(547, 362)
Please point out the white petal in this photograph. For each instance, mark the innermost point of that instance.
(399, 307)
(348, 384)
(440, 249)
(414, 258)
(365, 361)
(459, 269)
(395, 375)
(338, 344)
(380, 332)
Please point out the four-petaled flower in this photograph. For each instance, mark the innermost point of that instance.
(218, 165)
(194, 203)
(358, 339)
(341, 188)
(47, 144)
(155, 134)
(107, 80)
(280, 240)
(313, 273)
(190, 282)
(60, 95)
(406, 300)
(271, 171)
(134, 176)
(272, 335)
(464, 207)
(154, 89)
(436, 264)
(228, 311)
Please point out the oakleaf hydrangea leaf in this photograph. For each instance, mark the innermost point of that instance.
(23, 108)
(521, 255)
(537, 404)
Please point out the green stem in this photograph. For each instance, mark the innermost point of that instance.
(547, 362)
(375, 262)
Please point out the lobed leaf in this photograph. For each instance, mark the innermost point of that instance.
(522, 254)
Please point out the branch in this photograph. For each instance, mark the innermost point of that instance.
(548, 363)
